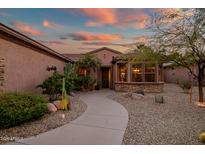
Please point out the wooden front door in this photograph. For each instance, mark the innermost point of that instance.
(105, 77)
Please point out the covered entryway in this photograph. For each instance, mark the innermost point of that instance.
(105, 77)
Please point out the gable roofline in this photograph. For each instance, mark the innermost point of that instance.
(104, 48)
(32, 42)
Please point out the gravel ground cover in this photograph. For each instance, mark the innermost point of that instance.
(47, 122)
(177, 121)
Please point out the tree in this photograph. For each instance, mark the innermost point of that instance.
(180, 38)
(89, 62)
(71, 78)
(144, 53)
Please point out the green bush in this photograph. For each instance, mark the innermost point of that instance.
(185, 85)
(71, 78)
(16, 108)
(52, 86)
(86, 82)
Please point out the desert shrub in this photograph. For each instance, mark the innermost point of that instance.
(185, 85)
(87, 82)
(52, 86)
(71, 78)
(16, 108)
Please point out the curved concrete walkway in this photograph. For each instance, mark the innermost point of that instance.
(104, 122)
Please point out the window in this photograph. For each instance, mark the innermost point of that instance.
(137, 73)
(82, 72)
(149, 73)
(122, 72)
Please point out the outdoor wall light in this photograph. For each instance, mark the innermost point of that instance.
(51, 68)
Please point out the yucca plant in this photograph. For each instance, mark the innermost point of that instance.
(64, 102)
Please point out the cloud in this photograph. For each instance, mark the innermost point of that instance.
(93, 24)
(127, 45)
(54, 42)
(27, 29)
(116, 17)
(86, 36)
(139, 21)
(100, 15)
(50, 24)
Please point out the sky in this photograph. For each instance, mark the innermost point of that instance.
(83, 30)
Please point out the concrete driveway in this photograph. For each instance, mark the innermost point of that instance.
(104, 122)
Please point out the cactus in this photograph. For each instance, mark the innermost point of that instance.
(64, 102)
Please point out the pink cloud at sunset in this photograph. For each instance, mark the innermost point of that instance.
(27, 29)
(114, 17)
(138, 21)
(50, 24)
(87, 36)
(100, 16)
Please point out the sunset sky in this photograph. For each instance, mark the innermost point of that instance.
(82, 30)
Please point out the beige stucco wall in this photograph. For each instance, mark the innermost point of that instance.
(178, 75)
(106, 61)
(25, 67)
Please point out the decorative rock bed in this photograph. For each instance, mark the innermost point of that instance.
(177, 121)
(46, 123)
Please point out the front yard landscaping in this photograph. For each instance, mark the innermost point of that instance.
(174, 122)
(45, 123)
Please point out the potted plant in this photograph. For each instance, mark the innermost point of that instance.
(186, 86)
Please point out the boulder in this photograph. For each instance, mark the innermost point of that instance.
(159, 99)
(72, 94)
(137, 96)
(51, 107)
(57, 104)
(140, 92)
(126, 95)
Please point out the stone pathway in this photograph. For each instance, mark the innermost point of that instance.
(104, 122)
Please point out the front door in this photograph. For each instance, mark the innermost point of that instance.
(105, 77)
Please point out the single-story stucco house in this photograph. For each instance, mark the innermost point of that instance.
(24, 61)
